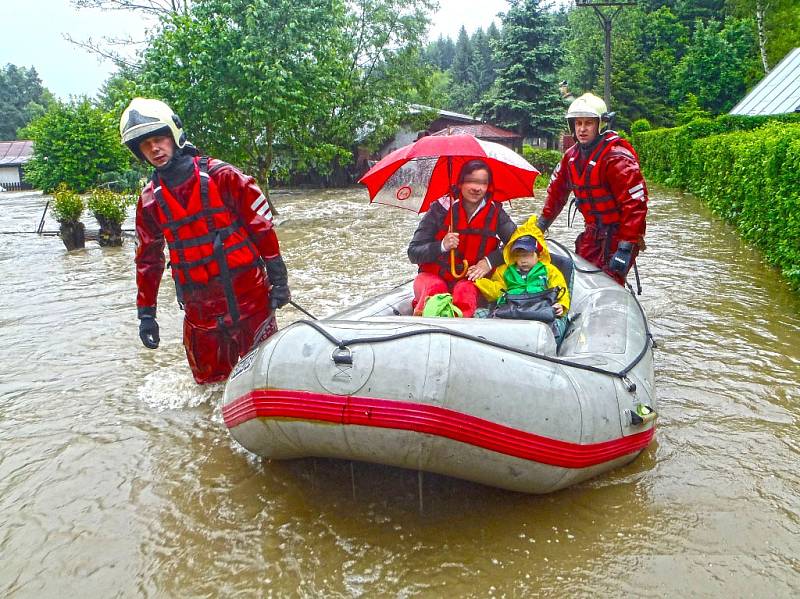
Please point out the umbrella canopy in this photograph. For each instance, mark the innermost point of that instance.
(415, 175)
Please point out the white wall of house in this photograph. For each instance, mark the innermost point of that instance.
(402, 138)
(9, 174)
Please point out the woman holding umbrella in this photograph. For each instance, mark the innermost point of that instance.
(472, 230)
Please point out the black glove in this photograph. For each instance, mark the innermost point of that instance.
(543, 223)
(279, 295)
(148, 327)
(621, 260)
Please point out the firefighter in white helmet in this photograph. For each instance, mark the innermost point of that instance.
(218, 226)
(603, 172)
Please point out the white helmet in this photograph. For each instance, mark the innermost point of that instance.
(587, 106)
(145, 118)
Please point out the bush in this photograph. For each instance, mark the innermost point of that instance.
(129, 181)
(108, 206)
(747, 169)
(67, 205)
(73, 143)
(640, 125)
(544, 160)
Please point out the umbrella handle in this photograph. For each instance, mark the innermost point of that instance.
(453, 271)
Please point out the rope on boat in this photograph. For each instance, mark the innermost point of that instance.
(344, 345)
(303, 310)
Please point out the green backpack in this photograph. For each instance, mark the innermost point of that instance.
(441, 304)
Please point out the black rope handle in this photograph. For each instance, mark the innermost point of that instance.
(343, 344)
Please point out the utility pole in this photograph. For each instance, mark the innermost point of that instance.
(606, 19)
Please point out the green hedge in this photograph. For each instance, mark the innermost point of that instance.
(544, 160)
(748, 171)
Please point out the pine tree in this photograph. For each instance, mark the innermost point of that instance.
(462, 91)
(483, 73)
(525, 97)
(447, 53)
(462, 59)
(493, 38)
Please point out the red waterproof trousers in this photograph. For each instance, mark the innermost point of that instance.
(597, 245)
(465, 293)
(212, 341)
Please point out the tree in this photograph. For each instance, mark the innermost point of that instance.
(525, 97)
(279, 86)
(777, 26)
(663, 41)
(782, 29)
(74, 143)
(482, 67)
(583, 52)
(719, 65)
(22, 98)
(385, 73)
(493, 38)
(462, 59)
(440, 53)
(106, 47)
(250, 77)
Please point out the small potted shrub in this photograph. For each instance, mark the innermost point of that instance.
(67, 208)
(110, 210)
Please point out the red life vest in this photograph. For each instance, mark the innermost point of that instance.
(476, 238)
(205, 238)
(593, 195)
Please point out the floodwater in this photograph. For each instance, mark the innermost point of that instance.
(119, 479)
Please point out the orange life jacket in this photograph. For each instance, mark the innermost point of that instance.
(593, 195)
(205, 238)
(476, 238)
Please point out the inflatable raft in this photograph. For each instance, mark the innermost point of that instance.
(488, 400)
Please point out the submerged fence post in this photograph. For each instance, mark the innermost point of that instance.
(41, 222)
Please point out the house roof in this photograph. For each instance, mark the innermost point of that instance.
(456, 116)
(777, 93)
(480, 130)
(14, 153)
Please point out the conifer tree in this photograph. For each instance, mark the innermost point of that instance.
(525, 97)
(483, 73)
(462, 58)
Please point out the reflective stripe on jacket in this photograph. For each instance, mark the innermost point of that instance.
(615, 175)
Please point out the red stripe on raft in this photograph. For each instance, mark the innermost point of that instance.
(432, 420)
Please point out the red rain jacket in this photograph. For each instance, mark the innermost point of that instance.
(608, 186)
(240, 199)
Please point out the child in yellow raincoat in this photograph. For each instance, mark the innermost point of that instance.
(528, 269)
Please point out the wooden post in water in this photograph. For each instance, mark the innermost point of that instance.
(41, 222)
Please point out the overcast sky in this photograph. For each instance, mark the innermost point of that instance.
(33, 36)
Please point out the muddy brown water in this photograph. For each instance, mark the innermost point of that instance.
(119, 479)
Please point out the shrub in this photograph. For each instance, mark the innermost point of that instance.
(73, 143)
(129, 181)
(108, 206)
(67, 205)
(544, 160)
(747, 169)
(640, 125)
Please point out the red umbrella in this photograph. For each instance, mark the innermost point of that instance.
(418, 174)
